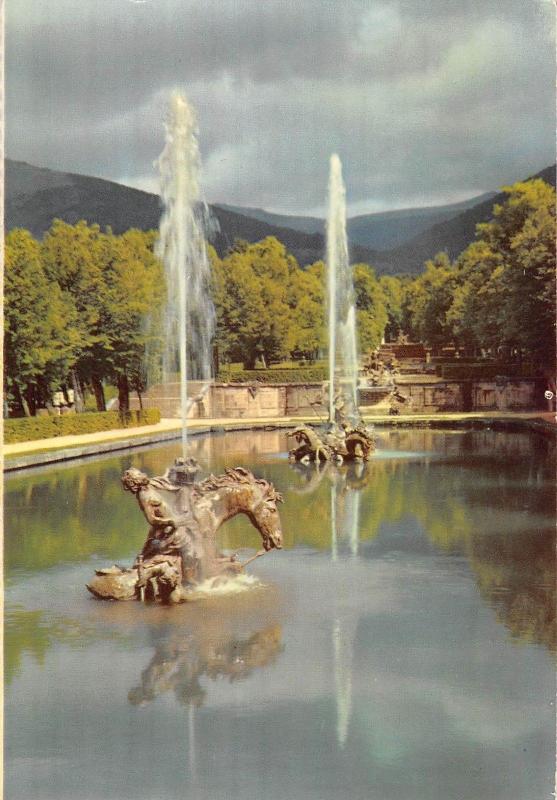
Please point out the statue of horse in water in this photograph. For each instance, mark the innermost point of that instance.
(181, 548)
(337, 444)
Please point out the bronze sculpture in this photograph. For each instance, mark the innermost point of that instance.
(346, 438)
(180, 551)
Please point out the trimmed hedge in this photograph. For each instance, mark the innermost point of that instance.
(26, 429)
(288, 375)
(475, 372)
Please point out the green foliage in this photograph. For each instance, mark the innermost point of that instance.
(267, 308)
(269, 376)
(76, 306)
(40, 323)
(430, 299)
(393, 294)
(31, 428)
(77, 303)
(371, 308)
(506, 293)
(499, 295)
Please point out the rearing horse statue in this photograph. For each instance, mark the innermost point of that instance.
(184, 517)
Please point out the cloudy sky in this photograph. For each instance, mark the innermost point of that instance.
(426, 101)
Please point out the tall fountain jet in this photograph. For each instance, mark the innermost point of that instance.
(343, 353)
(189, 313)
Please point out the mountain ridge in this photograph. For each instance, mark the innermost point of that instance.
(73, 197)
(34, 196)
(381, 230)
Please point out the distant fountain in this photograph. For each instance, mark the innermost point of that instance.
(347, 438)
(189, 313)
(343, 352)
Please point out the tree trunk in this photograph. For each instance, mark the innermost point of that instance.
(123, 394)
(98, 389)
(77, 395)
(139, 397)
(43, 393)
(19, 404)
(29, 395)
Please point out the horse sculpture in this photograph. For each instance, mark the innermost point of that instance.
(338, 444)
(184, 518)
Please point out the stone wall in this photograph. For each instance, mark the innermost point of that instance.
(239, 401)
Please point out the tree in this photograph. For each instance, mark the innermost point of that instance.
(505, 297)
(41, 338)
(392, 290)
(305, 297)
(371, 310)
(431, 296)
(475, 314)
(74, 256)
(134, 285)
(523, 234)
(250, 291)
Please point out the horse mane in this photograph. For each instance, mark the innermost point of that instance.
(237, 476)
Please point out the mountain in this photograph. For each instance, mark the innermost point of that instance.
(452, 235)
(304, 224)
(379, 231)
(390, 229)
(35, 196)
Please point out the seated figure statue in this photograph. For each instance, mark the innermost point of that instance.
(170, 529)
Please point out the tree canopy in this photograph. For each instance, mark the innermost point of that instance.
(76, 304)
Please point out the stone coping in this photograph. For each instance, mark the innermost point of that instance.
(63, 448)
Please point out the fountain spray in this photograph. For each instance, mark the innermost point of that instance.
(189, 313)
(343, 353)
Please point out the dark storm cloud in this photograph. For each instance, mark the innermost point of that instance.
(424, 101)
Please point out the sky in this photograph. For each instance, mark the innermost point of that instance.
(425, 101)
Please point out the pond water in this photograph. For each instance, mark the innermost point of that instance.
(401, 646)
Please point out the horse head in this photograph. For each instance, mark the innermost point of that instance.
(255, 497)
(262, 509)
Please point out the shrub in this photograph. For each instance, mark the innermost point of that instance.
(27, 429)
(287, 375)
(485, 372)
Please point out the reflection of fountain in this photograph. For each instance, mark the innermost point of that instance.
(345, 506)
(189, 313)
(345, 514)
(344, 637)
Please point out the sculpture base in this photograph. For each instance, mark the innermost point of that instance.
(161, 581)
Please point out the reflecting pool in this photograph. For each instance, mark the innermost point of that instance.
(401, 646)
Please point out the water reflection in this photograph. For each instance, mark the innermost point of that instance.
(345, 484)
(490, 499)
(382, 656)
(486, 496)
(182, 658)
